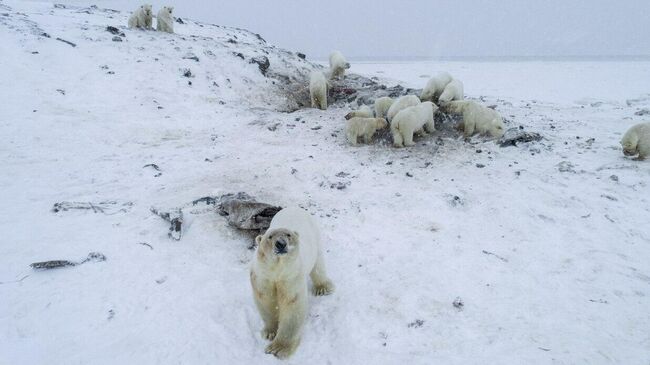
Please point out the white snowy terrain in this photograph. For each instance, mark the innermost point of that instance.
(544, 247)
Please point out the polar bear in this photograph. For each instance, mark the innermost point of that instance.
(363, 112)
(141, 18)
(412, 120)
(401, 103)
(366, 127)
(382, 105)
(165, 20)
(435, 87)
(288, 252)
(636, 141)
(476, 118)
(318, 90)
(338, 65)
(453, 91)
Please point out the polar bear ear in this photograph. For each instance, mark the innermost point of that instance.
(258, 240)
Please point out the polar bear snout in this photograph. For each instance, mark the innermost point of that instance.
(280, 247)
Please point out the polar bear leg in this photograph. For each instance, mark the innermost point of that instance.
(367, 137)
(430, 126)
(468, 128)
(293, 311)
(322, 284)
(352, 137)
(407, 134)
(397, 138)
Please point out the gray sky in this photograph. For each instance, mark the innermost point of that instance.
(426, 28)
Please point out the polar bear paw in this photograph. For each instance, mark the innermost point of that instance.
(324, 288)
(268, 333)
(280, 349)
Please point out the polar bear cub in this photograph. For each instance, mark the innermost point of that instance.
(401, 103)
(476, 118)
(636, 141)
(410, 120)
(453, 91)
(165, 20)
(363, 112)
(382, 105)
(141, 18)
(287, 253)
(435, 87)
(338, 65)
(318, 90)
(363, 127)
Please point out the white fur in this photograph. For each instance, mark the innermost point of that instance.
(453, 91)
(476, 118)
(318, 90)
(636, 141)
(279, 278)
(363, 127)
(363, 112)
(338, 65)
(165, 20)
(435, 87)
(142, 17)
(401, 103)
(382, 105)
(412, 120)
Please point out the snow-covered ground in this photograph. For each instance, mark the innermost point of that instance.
(547, 245)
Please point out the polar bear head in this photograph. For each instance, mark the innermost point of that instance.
(169, 9)
(381, 123)
(147, 9)
(496, 128)
(629, 143)
(278, 243)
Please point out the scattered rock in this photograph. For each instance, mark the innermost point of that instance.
(416, 324)
(106, 207)
(566, 166)
(301, 55)
(262, 62)
(187, 72)
(46, 265)
(113, 30)
(175, 219)
(238, 54)
(155, 167)
(409, 174)
(480, 165)
(643, 112)
(614, 178)
(117, 39)
(191, 57)
(514, 136)
(180, 21)
(66, 42)
(458, 304)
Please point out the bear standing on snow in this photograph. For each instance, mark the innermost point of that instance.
(141, 18)
(401, 103)
(363, 127)
(338, 65)
(382, 105)
(165, 20)
(453, 91)
(318, 90)
(411, 120)
(476, 118)
(435, 87)
(636, 141)
(363, 112)
(288, 252)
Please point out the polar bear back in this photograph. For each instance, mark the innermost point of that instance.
(300, 221)
(453, 91)
(400, 104)
(382, 105)
(637, 140)
(435, 87)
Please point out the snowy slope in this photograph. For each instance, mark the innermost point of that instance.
(546, 244)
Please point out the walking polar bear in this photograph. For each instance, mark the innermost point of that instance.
(453, 91)
(288, 252)
(435, 87)
(636, 141)
(318, 90)
(412, 120)
(401, 103)
(141, 18)
(338, 65)
(363, 127)
(476, 118)
(165, 20)
(363, 112)
(382, 105)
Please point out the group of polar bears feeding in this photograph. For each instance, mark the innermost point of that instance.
(142, 17)
(409, 114)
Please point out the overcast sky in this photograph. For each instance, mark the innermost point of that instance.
(429, 28)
